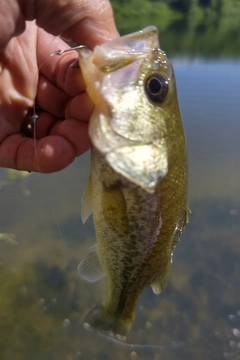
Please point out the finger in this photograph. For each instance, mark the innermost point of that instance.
(49, 154)
(55, 101)
(80, 107)
(84, 22)
(50, 98)
(62, 70)
(96, 25)
(12, 22)
(41, 127)
(74, 131)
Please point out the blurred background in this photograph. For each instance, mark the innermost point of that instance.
(42, 239)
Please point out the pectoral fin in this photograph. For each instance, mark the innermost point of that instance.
(156, 288)
(86, 203)
(145, 173)
(90, 268)
(161, 279)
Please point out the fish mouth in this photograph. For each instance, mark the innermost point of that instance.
(108, 58)
(120, 52)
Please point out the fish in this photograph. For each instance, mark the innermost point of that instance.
(137, 188)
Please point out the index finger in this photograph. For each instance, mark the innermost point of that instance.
(63, 71)
(96, 26)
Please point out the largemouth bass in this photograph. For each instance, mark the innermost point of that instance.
(137, 190)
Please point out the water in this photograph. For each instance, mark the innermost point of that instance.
(42, 299)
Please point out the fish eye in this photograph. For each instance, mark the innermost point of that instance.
(156, 88)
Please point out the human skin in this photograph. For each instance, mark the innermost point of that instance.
(28, 74)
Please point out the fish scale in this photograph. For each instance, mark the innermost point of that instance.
(137, 190)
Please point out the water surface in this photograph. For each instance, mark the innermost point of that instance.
(42, 299)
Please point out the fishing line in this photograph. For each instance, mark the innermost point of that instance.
(33, 120)
(39, 168)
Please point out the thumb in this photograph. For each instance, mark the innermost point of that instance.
(82, 22)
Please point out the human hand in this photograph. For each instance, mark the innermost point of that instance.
(57, 84)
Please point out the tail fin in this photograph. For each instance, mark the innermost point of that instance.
(101, 319)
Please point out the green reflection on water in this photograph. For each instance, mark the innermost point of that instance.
(207, 30)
